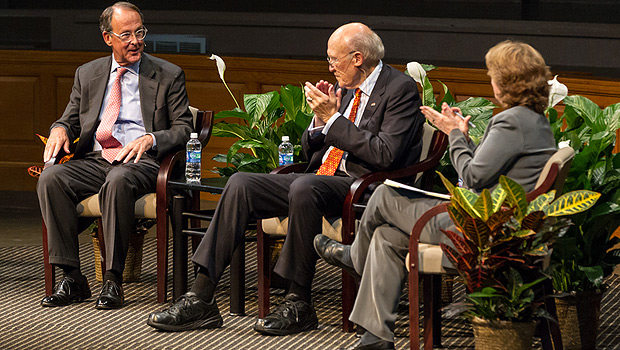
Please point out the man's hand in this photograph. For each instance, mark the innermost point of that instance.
(58, 139)
(323, 100)
(135, 148)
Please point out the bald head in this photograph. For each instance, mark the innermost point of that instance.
(358, 37)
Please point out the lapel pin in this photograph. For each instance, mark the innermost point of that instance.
(373, 104)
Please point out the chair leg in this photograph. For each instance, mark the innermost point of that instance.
(432, 318)
(101, 246)
(264, 273)
(179, 249)
(237, 281)
(549, 332)
(162, 257)
(414, 308)
(349, 293)
(48, 269)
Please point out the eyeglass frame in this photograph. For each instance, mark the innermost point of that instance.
(332, 62)
(130, 35)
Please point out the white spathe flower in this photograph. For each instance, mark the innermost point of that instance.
(557, 92)
(415, 70)
(564, 144)
(221, 66)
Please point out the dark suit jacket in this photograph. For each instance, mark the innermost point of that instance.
(389, 135)
(163, 100)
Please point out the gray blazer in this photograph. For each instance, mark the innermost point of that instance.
(163, 100)
(517, 143)
(389, 135)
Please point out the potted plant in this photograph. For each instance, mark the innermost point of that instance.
(588, 253)
(499, 256)
(266, 118)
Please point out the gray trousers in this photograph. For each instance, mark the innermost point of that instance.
(304, 198)
(61, 187)
(379, 250)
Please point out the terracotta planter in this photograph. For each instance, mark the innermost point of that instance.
(503, 335)
(578, 316)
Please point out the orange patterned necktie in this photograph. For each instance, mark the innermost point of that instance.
(110, 145)
(335, 155)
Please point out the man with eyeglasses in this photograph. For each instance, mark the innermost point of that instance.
(370, 121)
(126, 111)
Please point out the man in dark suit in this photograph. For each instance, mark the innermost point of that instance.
(370, 121)
(128, 110)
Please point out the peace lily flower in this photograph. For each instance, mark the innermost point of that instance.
(415, 70)
(221, 67)
(557, 92)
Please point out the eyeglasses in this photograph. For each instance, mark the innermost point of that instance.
(140, 34)
(332, 61)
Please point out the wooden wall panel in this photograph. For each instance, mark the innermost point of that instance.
(39, 83)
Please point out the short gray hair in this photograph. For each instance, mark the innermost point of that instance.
(369, 44)
(105, 20)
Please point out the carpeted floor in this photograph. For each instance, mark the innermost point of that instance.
(24, 324)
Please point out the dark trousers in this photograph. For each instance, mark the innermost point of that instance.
(304, 198)
(62, 186)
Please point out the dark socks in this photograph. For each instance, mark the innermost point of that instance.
(72, 271)
(203, 286)
(305, 293)
(111, 275)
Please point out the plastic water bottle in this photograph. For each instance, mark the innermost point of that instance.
(285, 151)
(192, 160)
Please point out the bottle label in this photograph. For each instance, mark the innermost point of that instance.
(193, 157)
(286, 158)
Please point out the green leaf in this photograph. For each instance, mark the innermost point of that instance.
(515, 196)
(572, 203)
(484, 205)
(428, 95)
(449, 186)
(594, 274)
(224, 129)
(447, 96)
(611, 116)
(465, 199)
(498, 196)
(235, 113)
(588, 110)
(541, 202)
(258, 105)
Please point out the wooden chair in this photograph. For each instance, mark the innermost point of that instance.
(150, 206)
(428, 266)
(342, 228)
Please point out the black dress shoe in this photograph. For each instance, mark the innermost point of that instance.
(335, 253)
(378, 345)
(68, 291)
(291, 317)
(111, 296)
(188, 312)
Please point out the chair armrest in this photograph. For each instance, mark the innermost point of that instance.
(414, 239)
(166, 169)
(290, 168)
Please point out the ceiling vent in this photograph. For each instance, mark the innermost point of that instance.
(172, 43)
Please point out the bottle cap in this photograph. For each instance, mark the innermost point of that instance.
(193, 135)
(285, 138)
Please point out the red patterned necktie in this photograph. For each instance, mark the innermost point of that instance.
(334, 157)
(110, 146)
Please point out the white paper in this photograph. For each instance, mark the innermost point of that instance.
(415, 189)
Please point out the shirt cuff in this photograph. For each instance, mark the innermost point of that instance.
(330, 122)
(154, 147)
